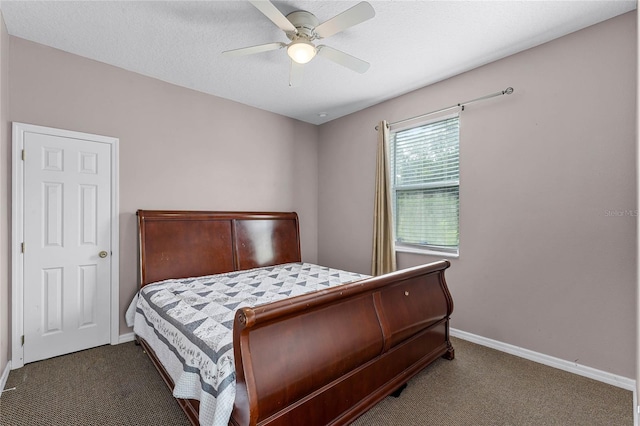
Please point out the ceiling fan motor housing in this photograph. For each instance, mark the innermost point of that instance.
(305, 23)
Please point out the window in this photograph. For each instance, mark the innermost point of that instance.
(425, 181)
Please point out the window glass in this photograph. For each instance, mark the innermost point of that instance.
(425, 179)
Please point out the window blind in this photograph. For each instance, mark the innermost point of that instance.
(425, 184)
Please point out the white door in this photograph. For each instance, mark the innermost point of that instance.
(67, 238)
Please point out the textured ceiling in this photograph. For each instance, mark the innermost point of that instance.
(409, 44)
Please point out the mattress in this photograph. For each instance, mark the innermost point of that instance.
(189, 325)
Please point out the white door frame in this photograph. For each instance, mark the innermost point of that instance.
(17, 232)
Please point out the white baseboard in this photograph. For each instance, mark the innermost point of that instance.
(561, 364)
(128, 337)
(5, 376)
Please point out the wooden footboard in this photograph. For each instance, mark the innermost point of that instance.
(321, 359)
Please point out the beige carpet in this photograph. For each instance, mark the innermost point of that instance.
(109, 385)
(118, 385)
(482, 386)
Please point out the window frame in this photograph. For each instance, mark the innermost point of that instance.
(428, 249)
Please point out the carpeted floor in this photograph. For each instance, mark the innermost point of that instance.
(482, 386)
(108, 385)
(118, 385)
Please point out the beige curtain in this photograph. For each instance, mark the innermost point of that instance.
(384, 255)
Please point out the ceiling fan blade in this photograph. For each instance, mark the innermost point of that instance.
(272, 12)
(254, 49)
(295, 74)
(359, 13)
(344, 59)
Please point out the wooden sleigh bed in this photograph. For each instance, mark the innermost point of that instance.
(315, 359)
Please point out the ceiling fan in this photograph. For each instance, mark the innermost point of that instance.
(302, 28)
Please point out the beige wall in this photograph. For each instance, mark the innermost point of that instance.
(179, 149)
(5, 196)
(542, 266)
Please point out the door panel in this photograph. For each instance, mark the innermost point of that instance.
(67, 211)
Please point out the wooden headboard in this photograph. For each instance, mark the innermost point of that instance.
(181, 244)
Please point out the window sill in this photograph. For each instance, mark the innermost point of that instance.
(415, 250)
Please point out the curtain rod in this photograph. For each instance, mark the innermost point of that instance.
(507, 91)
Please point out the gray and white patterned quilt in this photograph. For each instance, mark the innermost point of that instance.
(189, 324)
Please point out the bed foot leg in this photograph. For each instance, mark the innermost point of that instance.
(450, 353)
(397, 392)
(136, 341)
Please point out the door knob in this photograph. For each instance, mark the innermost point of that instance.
(103, 254)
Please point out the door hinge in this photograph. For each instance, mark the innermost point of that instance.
(22, 247)
(22, 340)
(23, 155)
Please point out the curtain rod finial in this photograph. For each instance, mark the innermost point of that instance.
(508, 91)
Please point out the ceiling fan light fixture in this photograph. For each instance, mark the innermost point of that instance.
(301, 51)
